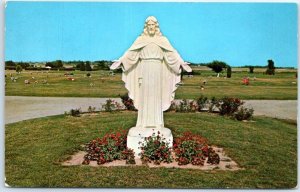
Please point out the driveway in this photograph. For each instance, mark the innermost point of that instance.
(18, 108)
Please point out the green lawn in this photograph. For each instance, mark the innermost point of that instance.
(265, 148)
(280, 86)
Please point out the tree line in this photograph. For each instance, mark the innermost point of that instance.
(59, 64)
(219, 66)
(216, 66)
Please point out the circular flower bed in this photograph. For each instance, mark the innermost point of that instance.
(188, 148)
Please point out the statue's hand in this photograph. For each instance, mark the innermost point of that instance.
(186, 67)
(115, 65)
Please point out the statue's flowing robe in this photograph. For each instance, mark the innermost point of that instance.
(151, 74)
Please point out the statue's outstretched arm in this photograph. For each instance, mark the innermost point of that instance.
(128, 60)
(115, 65)
(186, 67)
(174, 60)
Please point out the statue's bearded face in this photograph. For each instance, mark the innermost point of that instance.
(151, 28)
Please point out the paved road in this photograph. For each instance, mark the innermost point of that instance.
(282, 109)
(18, 108)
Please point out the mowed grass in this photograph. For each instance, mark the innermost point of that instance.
(280, 86)
(266, 149)
(101, 84)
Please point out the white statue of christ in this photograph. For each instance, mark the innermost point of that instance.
(151, 72)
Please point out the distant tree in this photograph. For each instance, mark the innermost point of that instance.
(251, 69)
(55, 64)
(271, 64)
(58, 64)
(81, 66)
(228, 71)
(49, 64)
(77, 65)
(96, 68)
(10, 63)
(88, 66)
(217, 66)
(271, 68)
(18, 68)
(24, 65)
(102, 65)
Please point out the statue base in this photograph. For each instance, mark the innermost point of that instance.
(136, 135)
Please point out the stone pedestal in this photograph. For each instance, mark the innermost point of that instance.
(136, 135)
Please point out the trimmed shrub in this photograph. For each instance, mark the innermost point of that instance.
(228, 106)
(244, 114)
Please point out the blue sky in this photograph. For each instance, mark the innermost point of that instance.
(237, 33)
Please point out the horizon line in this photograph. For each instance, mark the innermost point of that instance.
(192, 63)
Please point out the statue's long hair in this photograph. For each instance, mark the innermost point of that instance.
(157, 30)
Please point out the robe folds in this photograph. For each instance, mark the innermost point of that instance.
(151, 74)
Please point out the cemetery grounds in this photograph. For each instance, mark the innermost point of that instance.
(265, 148)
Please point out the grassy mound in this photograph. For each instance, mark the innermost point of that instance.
(266, 148)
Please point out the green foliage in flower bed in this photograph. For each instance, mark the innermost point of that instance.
(155, 149)
(266, 148)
